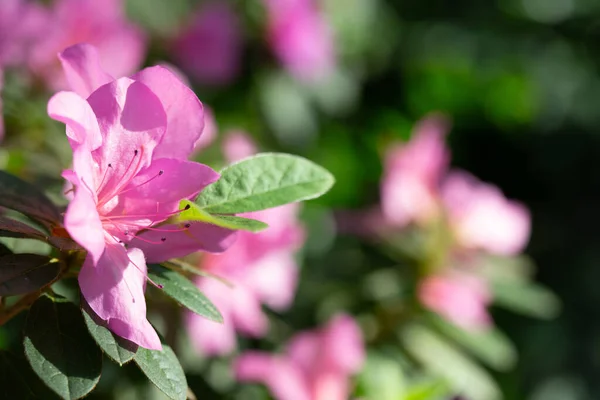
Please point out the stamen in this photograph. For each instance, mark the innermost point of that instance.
(143, 183)
(118, 217)
(123, 180)
(104, 177)
(159, 286)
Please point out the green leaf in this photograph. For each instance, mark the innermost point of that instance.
(184, 292)
(25, 198)
(490, 345)
(192, 212)
(24, 384)
(16, 229)
(382, 378)
(526, 298)
(24, 273)
(264, 181)
(59, 348)
(118, 349)
(163, 370)
(444, 360)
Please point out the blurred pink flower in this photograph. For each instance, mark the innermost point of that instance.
(410, 185)
(121, 45)
(301, 38)
(238, 145)
(482, 218)
(130, 138)
(261, 267)
(21, 21)
(210, 49)
(1, 110)
(316, 365)
(460, 297)
(209, 133)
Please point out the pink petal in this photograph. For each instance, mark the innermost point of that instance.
(83, 222)
(409, 190)
(185, 116)
(238, 145)
(76, 113)
(460, 298)
(1, 111)
(120, 45)
(246, 311)
(209, 133)
(156, 191)
(199, 237)
(483, 218)
(83, 69)
(274, 279)
(114, 289)
(210, 49)
(343, 345)
(301, 38)
(211, 338)
(132, 122)
(281, 376)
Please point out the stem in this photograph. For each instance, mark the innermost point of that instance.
(22, 304)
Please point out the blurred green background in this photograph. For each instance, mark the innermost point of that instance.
(520, 81)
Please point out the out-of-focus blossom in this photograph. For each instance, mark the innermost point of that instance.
(238, 145)
(209, 133)
(301, 38)
(260, 266)
(482, 218)
(458, 296)
(21, 21)
(130, 140)
(1, 110)
(316, 366)
(210, 49)
(121, 45)
(410, 185)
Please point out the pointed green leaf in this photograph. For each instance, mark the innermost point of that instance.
(490, 345)
(192, 212)
(444, 360)
(184, 292)
(163, 370)
(118, 349)
(60, 349)
(25, 198)
(24, 273)
(526, 298)
(264, 181)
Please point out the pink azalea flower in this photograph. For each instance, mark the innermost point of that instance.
(460, 297)
(301, 38)
(1, 111)
(210, 48)
(261, 268)
(482, 218)
(21, 21)
(121, 45)
(316, 365)
(410, 187)
(130, 140)
(209, 133)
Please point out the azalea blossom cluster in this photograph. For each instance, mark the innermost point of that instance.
(419, 189)
(130, 138)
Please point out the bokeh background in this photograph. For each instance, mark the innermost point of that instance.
(519, 80)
